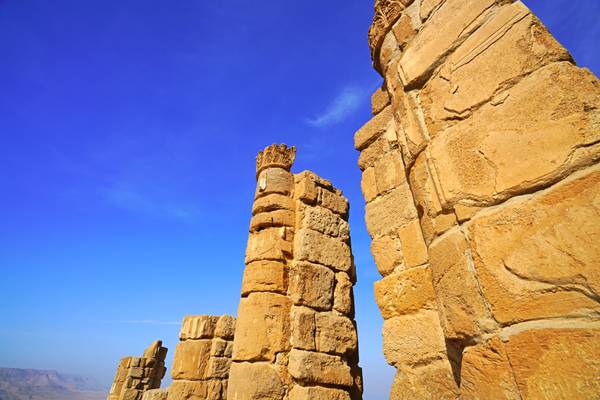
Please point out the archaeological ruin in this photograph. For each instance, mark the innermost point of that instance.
(481, 177)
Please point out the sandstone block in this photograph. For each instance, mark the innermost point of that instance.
(256, 381)
(414, 251)
(404, 30)
(221, 348)
(389, 212)
(452, 22)
(368, 184)
(306, 190)
(311, 285)
(387, 252)
(265, 276)
(373, 129)
(379, 100)
(538, 135)
(303, 328)
(218, 367)
(315, 247)
(274, 180)
(309, 367)
(225, 327)
(272, 202)
(335, 334)
(272, 219)
(155, 394)
(389, 172)
(317, 393)
(405, 292)
(464, 311)
(486, 373)
(269, 244)
(390, 48)
(327, 222)
(262, 327)
(334, 201)
(413, 339)
(191, 360)
(536, 256)
(567, 363)
(342, 296)
(197, 390)
(427, 7)
(453, 94)
(427, 382)
(385, 143)
(198, 327)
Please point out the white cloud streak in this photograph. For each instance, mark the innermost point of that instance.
(144, 322)
(344, 104)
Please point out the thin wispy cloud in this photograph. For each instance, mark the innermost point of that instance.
(343, 105)
(130, 199)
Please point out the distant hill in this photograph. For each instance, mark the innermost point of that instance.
(32, 384)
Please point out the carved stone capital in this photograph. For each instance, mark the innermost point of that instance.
(275, 156)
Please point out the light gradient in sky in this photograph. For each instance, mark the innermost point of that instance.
(129, 130)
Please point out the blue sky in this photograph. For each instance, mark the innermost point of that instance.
(129, 130)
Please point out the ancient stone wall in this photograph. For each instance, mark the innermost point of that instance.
(136, 375)
(296, 336)
(202, 358)
(482, 184)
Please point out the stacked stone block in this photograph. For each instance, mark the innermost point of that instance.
(296, 337)
(202, 358)
(136, 375)
(481, 177)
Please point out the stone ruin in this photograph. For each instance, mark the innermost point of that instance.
(296, 336)
(136, 375)
(481, 176)
(202, 358)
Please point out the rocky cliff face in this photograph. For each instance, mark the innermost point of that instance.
(31, 384)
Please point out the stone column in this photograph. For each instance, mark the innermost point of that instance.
(136, 375)
(295, 336)
(202, 358)
(481, 176)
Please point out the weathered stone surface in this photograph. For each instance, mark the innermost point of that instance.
(197, 390)
(256, 381)
(335, 334)
(427, 7)
(380, 146)
(431, 381)
(537, 256)
(274, 180)
(198, 327)
(343, 301)
(390, 49)
(310, 367)
(315, 247)
(404, 30)
(373, 129)
(272, 219)
(567, 363)
(218, 367)
(386, 13)
(414, 251)
(389, 212)
(221, 348)
(269, 244)
(272, 202)
(225, 327)
(389, 172)
(452, 22)
(539, 134)
(191, 359)
(368, 184)
(262, 328)
(387, 252)
(303, 328)
(265, 276)
(317, 393)
(334, 201)
(379, 100)
(486, 373)
(459, 296)
(453, 94)
(413, 339)
(156, 394)
(311, 285)
(322, 220)
(405, 292)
